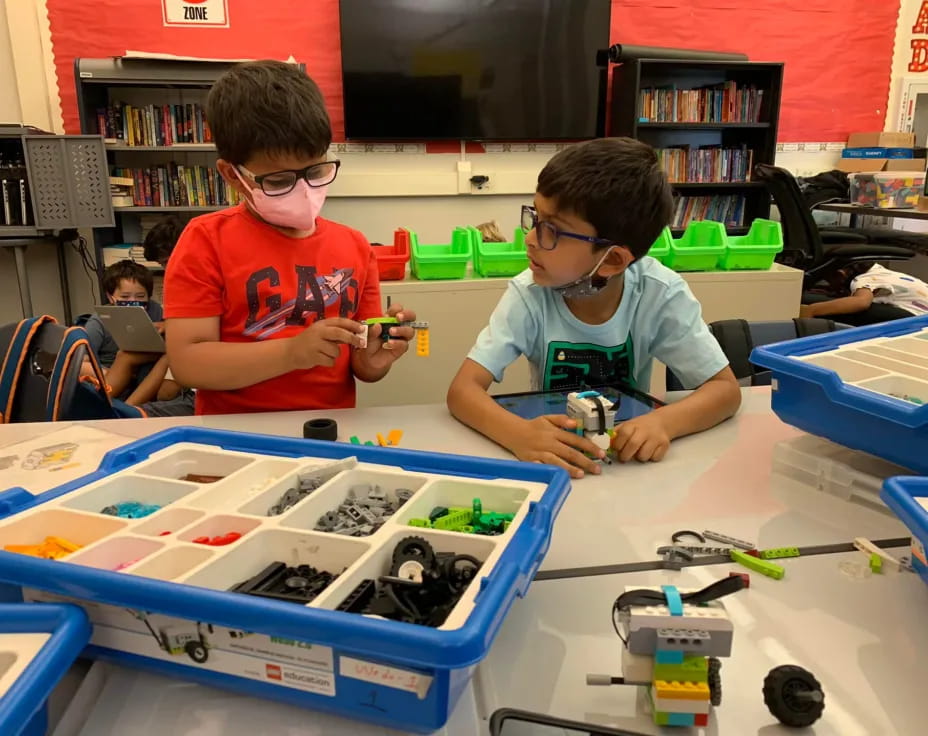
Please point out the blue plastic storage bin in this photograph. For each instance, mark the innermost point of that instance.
(38, 643)
(902, 495)
(169, 608)
(865, 388)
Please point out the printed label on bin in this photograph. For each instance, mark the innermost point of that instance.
(381, 674)
(271, 659)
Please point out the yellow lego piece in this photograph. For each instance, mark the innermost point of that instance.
(681, 690)
(422, 343)
(52, 548)
(392, 440)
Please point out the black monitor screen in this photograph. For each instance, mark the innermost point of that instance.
(472, 69)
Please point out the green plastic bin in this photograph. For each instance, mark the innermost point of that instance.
(661, 248)
(756, 250)
(442, 261)
(499, 259)
(700, 249)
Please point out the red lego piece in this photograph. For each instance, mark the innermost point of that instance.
(744, 576)
(752, 552)
(701, 719)
(164, 534)
(218, 541)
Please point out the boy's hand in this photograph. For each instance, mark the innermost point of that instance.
(550, 439)
(643, 438)
(320, 343)
(379, 355)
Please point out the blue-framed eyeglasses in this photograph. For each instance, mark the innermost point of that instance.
(548, 234)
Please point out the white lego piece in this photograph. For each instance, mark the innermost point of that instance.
(585, 409)
(362, 336)
(680, 705)
(710, 617)
(637, 669)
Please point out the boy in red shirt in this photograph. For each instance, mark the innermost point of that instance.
(264, 301)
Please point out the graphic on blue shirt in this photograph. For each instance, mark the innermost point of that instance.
(315, 292)
(569, 365)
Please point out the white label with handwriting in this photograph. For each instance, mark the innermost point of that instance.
(412, 682)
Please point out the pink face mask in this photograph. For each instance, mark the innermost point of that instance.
(297, 209)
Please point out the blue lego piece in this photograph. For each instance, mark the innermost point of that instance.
(588, 394)
(674, 601)
(663, 656)
(681, 719)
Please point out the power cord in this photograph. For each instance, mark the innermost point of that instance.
(78, 243)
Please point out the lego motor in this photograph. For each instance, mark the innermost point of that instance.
(595, 416)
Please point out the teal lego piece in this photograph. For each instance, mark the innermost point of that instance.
(674, 601)
(681, 719)
(662, 656)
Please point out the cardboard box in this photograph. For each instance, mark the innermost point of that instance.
(877, 140)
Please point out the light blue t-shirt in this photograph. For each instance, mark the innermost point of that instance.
(658, 317)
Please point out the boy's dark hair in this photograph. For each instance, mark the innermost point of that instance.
(267, 107)
(130, 271)
(615, 184)
(161, 239)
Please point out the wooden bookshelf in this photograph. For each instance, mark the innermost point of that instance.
(757, 133)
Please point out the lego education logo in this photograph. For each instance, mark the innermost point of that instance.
(204, 13)
(273, 672)
(316, 682)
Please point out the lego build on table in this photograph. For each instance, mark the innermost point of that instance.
(672, 644)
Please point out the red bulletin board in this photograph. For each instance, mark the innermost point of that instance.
(838, 53)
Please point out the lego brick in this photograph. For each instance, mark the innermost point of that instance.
(681, 690)
(663, 657)
(707, 644)
(669, 705)
(744, 576)
(693, 669)
(639, 669)
(701, 719)
(724, 539)
(680, 719)
(660, 719)
(764, 567)
(779, 552)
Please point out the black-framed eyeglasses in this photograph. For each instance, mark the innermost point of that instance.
(278, 183)
(548, 234)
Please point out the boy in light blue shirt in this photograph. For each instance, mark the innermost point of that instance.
(594, 310)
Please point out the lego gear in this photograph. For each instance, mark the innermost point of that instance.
(793, 696)
(715, 681)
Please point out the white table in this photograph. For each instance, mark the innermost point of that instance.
(864, 639)
(719, 480)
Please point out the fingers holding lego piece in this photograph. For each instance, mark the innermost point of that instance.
(553, 440)
(320, 343)
(643, 438)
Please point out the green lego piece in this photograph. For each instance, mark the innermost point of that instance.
(661, 718)
(477, 509)
(467, 529)
(355, 441)
(777, 553)
(876, 563)
(693, 669)
(382, 321)
(453, 520)
(424, 523)
(764, 567)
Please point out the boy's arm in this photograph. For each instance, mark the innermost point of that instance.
(546, 439)
(147, 390)
(859, 301)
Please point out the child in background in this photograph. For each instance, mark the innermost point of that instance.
(264, 301)
(592, 310)
(126, 284)
(877, 285)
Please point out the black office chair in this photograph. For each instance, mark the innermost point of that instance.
(738, 338)
(803, 246)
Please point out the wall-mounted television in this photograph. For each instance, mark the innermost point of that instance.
(473, 69)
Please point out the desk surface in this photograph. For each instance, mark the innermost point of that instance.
(864, 639)
(856, 209)
(719, 480)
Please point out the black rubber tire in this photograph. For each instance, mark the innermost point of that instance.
(196, 651)
(412, 548)
(780, 687)
(715, 681)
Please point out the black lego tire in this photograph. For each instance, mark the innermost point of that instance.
(412, 548)
(320, 429)
(780, 687)
(715, 681)
(196, 651)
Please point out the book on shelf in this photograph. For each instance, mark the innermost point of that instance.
(728, 209)
(153, 125)
(719, 103)
(127, 252)
(121, 191)
(176, 185)
(707, 164)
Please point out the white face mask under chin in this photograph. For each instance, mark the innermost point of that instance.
(584, 286)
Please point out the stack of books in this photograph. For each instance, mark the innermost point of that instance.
(122, 191)
(707, 164)
(728, 209)
(153, 125)
(719, 103)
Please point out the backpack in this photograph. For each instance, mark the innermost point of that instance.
(40, 376)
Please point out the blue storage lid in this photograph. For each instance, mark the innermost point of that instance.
(69, 632)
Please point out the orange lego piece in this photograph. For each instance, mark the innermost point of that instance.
(422, 343)
(51, 548)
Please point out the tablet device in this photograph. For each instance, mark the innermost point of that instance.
(131, 328)
(632, 402)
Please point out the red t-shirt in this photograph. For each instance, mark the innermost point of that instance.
(264, 285)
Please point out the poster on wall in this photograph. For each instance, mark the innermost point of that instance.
(209, 13)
